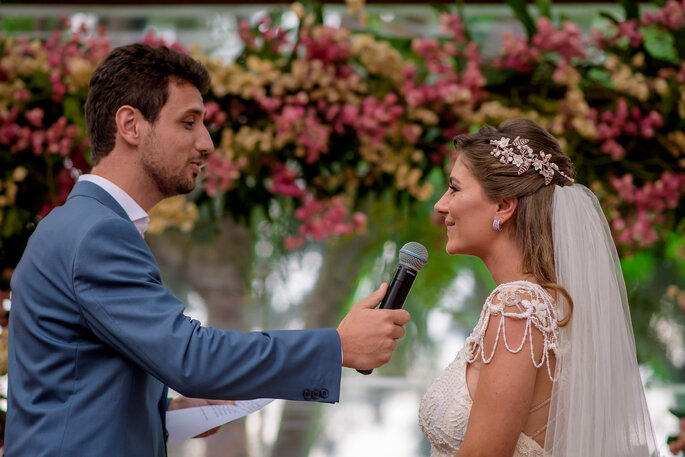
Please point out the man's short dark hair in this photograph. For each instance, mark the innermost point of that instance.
(137, 75)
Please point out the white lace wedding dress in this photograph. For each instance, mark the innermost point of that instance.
(445, 408)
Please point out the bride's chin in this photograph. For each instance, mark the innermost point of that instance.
(451, 250)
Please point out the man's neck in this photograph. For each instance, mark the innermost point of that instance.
(129, 180)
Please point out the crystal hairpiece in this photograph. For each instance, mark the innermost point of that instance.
(518, 153)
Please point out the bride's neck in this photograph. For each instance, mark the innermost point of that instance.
(504, 261)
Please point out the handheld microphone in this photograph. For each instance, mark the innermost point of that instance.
(413, 257)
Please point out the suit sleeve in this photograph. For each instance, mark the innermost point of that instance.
(118, 288)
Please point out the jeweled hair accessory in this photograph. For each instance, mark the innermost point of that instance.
(518, 153)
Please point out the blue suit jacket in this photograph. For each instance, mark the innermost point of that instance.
(95, 338)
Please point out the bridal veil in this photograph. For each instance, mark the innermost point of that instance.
(598, 405)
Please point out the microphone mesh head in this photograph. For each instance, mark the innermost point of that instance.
(413, 255)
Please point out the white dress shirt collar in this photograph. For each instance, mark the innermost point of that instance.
(133, 210)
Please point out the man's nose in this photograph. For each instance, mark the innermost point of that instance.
(205, 144)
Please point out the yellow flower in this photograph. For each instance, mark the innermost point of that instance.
(354, 6)
(258, 65)
(423, 192)
(672, 291)
(676, 143)
(10, 194)
(247, 138)
(638, 60)
(298, 9)
(423, 115)
(3, 351)
(626, 81)
(660, 86)
(378, 57)
(585, 127)
(173, 212)
(19, 174)
(79, 74)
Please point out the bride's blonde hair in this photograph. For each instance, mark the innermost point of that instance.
(532, 218)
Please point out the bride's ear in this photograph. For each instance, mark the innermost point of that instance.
(506, 208)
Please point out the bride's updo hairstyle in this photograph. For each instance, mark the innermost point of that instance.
(531, 221)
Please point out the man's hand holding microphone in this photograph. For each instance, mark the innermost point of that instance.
(368, 336)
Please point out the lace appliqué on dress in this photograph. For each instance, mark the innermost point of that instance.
(520, 300)
(444, 414)
(446, 406)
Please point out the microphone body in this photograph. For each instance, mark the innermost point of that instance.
(399, 288)
(413, 257)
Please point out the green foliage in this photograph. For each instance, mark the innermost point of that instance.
(631, 9)
(660, 44)
(521, 11)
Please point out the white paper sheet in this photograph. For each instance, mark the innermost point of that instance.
(189, 422)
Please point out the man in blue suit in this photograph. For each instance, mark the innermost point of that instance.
(95, 338)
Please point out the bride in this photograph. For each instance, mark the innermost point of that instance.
(550, 368)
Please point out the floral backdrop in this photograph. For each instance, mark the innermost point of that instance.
(313, 122)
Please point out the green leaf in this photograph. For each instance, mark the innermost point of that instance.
(638, 268)
(521, 12)
(432, 133)
(40, 81)
(660, 44)
(631, 8)
(609, 16)
(73, 110)
(601, 76)
(12, 222)
(545, 7)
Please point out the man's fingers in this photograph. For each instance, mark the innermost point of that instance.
(220, 402)
(369, 336)
(398, 332)
(374, 299)
(209, 432)
(400, 316)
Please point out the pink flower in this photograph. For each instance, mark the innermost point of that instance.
(314, 137)
(35, 117)
(411, 133)
(22, 95)
(636, 215)
(451, 23)
(214, 115)
(288, 117)
(294, 242)
(612, 148)
(671, 15)
(284, 182)
(270, 104)
(567, 41)
(628, 30)
(220, 174)
(245, 34)
(324, 43)
(517, 55)
(153, 40)
(322, 218)
(58, 87)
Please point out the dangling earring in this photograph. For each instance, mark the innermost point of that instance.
(496, 225)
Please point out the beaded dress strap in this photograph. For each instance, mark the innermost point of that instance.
(519, 300)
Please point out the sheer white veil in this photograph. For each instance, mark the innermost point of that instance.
(598, 406)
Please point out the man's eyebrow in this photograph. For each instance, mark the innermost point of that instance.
(196, 111)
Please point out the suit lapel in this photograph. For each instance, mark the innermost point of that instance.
(89, 189)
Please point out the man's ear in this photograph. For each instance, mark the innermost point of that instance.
(506, 208)
(130, 126)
